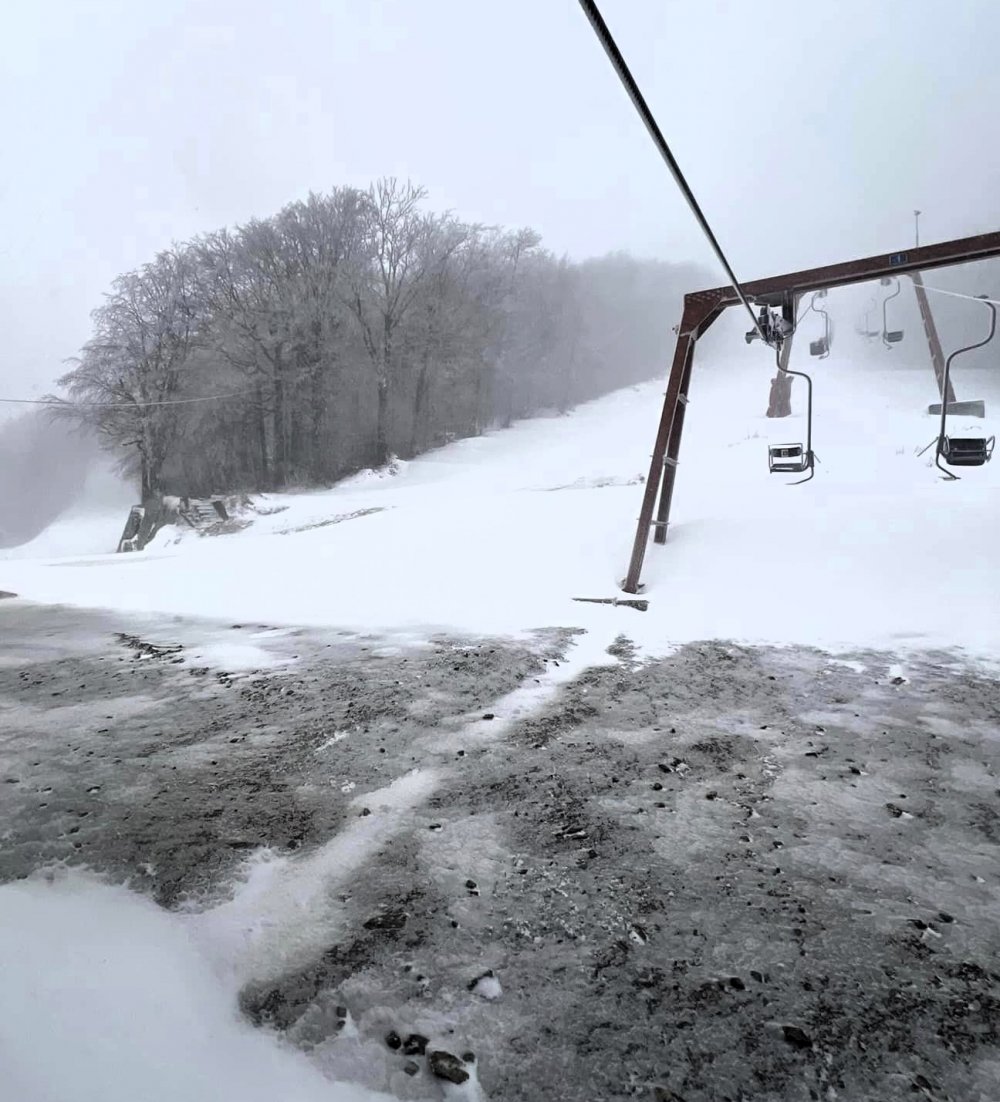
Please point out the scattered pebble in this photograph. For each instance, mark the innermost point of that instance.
(445, 1065)
(415, 1045)
(796, 1037)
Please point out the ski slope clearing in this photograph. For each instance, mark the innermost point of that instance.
(499, 533)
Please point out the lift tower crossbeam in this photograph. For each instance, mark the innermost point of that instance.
(702, 308)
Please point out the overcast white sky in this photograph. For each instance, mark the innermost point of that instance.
(809, 131)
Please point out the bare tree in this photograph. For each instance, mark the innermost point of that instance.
(385, 280)
(131, 373)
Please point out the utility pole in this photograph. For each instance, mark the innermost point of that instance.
(916, 227)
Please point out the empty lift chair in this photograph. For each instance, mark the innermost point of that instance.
(795, 458)
(821, 347)
(963, 451)
(890, 336)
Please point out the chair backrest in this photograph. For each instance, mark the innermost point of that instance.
(894, 336)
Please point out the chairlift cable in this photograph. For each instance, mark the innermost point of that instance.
(957, 294)
(69, 404)
(628, 81)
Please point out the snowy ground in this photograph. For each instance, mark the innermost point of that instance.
(665, 855)
(497, 534)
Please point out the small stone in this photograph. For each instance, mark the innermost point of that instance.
(415, 1045)
(898, 681)
(657, 787)
(469, 1057)
(487, 715)
(663, 767)
(797, 1038)
(341, 1011)
(393, 1039)
(447, 1066)
(755, 975)
(470, 884)
(411, 1068)
(945, 917)
(365, 811)
(713, 795)
(737, 984)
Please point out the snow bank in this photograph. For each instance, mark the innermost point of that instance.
(499, 533)
(105, 998)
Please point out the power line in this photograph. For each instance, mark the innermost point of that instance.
(621, 68)
(68, 404)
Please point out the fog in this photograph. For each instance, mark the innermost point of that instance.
(809, 132)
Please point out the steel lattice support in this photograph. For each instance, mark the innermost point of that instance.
(701, 308)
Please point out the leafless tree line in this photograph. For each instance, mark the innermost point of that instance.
(348, 328)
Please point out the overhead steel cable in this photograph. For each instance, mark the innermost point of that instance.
(625, 75)
(67, 403)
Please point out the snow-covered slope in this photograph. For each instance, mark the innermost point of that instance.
(500, 533)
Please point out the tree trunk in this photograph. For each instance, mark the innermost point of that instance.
(265, 464)
(280, 426)
(780, 400)
(418, 434)
(382, 453)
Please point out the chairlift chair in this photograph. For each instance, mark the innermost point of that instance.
(820, 348)
(963, 451)
(787, 459)
(890, 336)
(966, 451)
(794, 458)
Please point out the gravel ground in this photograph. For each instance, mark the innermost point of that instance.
(734, 873)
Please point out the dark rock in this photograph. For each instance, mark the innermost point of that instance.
(665, 1094)
(487, 715)
(470, 884)
(898, 681)
(713, 795)
(341, 1011)
(797, 1038)
(469, 1057)
(657, 787)
(737, 984)
(366, 811)
(945, 917)
(447, 1066)
(411, 1068)
(415, 1045)
(393, 1039)
(488, 974)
